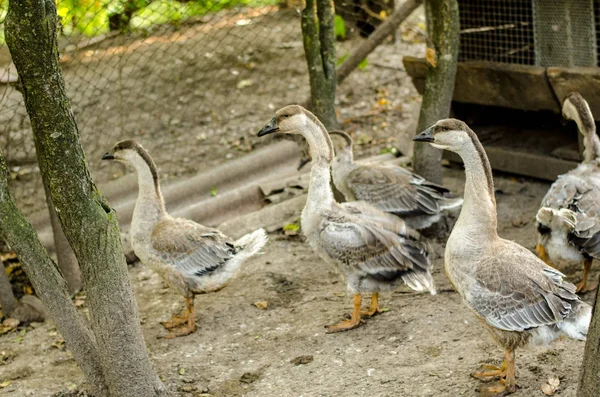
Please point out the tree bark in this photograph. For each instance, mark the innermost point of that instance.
(87, 220)
(67, 262)
(319, 47)
(7, 297)
(376, 38)
(589, 381)
(443, 37)
(50, 287)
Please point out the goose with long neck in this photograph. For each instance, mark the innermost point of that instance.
(392, 189)
(376, 250)
(518, 298)
(568, 221)
(191, 258)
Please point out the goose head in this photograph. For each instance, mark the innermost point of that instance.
(343, 154)
(294, 119)
(132, 153)
(577, 109)
(291, 119)
(447, 134)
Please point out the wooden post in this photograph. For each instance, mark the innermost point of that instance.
(442, 54)
(589, 380)
(319, 48)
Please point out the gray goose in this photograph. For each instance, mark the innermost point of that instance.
(568, 221)
(517, 297)
(193, 259)
(377, 251)
(392, 189)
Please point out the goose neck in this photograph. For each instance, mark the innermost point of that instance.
(478, 213)
(591, 145)
(149, 207)
(319, 191)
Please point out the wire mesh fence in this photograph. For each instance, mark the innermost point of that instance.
(185, 77)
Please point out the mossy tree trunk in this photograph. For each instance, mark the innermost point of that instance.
(7, 297)
(589, 382)
(319, 47)
(442, 53)
(50, 286)
(87, 220)
(67, 262)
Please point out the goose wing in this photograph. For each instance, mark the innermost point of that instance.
(528, 295)
(395, 189)
(580, 192)
(193, 249)
(372, 214)
(371, 249)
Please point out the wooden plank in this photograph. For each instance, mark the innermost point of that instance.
(494, 84)
(416, 68)
(584, 80)
(523, 163)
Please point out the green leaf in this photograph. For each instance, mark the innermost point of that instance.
(213, 191)
(291, 227)
(363, 64)
(339, 27)
(341, 59)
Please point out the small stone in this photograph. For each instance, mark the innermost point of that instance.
(249, 377)
(187, 388)
(302, 360)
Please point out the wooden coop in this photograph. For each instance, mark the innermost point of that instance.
(518, 60)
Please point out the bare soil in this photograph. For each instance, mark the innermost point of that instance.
(423, 346)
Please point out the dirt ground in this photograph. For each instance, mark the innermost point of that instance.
(423, 346)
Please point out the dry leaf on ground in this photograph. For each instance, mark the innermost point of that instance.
(552, 386)
(262, 305)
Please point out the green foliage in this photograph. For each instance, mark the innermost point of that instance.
(363, 64)
(339, 27)
(341, 59)
(90, 17)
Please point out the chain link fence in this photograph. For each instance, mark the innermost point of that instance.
(190, 79)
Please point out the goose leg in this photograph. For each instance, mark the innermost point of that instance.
(374, 309)
(581, 287)
(507, 383)
(543, 255)
(490, 372)
(176, 320)
(190, 322)
(354, 321)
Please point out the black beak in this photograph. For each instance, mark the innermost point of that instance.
(269, 128)
(108, 156)
(425, 136)
(303, 162)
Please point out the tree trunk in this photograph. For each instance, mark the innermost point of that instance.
(376, 38)
(589, 381)
(67, 262)
(442, 53)
(50, 287)
(7, 297)
(319, 47)
(87, 220)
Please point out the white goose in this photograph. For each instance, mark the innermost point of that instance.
(193, 259)
(376, 250)
(518, 298)
(568, 221)
(392, 189)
